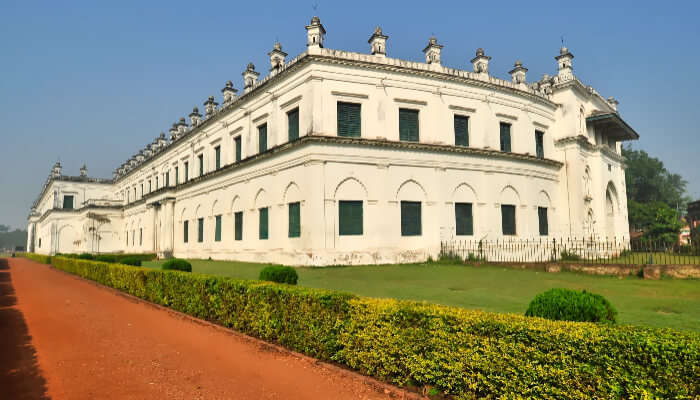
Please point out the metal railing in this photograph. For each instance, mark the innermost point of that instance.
(598, 251)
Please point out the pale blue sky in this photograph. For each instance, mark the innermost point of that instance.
(93, 82)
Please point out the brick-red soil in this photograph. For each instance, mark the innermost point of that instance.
(92, 343)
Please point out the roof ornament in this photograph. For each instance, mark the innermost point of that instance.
(377, 42)
(250, 77)
(314, 35)
(518, 73)
(481, 62)
(210, 106)
(83, 171)
(277, 57)
(229, 92)
(432, 51)
(195, 117)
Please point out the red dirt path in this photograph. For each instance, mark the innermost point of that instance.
(92, 343)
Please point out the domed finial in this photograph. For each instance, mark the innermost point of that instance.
(229, 84)
(518, 63)
(378, 30)
(182, 121)
(211, 98)
(479, 51)
(315, 20)
(195, 110)
(251, 66)
(563, 50)
(277, 46)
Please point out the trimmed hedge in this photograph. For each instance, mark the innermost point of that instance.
(279, 274)
(572, 305)
(133, 261)
(462, 353)
(177, 264)
(113, 258)
(40, 258)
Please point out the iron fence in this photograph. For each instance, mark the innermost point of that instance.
(598, 251)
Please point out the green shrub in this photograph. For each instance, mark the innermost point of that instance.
(571, 305)
(177, 265)
(279, 274)
(110, 258)
(133, 261)
(40, 258)
(140, 256)
(86, 256)
(569, 256)
(462, 353)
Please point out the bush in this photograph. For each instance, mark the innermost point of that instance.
(177, 265)
(106, 258)
(572, 305)
(462, 353)
(86, 256)
(279, 274)
(569, 256)
(133, 261)
(40, 258)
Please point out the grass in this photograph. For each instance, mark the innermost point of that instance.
(658, 303)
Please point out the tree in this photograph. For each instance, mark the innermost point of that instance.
(665, 225)
(649, 181)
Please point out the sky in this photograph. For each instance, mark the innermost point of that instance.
(94, 82)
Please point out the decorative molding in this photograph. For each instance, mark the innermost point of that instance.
(290, 102)
(507, 116)
(463, 109)
(409, 101)
(260, 118)
(238, 129)
(541, 125)
(346, 94)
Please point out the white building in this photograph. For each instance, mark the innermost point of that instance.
(346, 158)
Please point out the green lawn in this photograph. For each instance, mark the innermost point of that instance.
(662, 303)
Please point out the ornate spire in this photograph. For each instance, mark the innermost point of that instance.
(229, 92)
(432, 51)
(518, 73)
(481, 62)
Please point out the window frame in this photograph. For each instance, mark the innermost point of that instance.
(458, 231)
(217, 158)
(409, 111)
(405, 206)
(200, 159)
(294, 231)
(540, 214)
(72, 202)
(347, 205)
(349, 132)
(264, 217)
(515, 219)
(238, 151)
(262, 128)
(238, 225)
(539, 144)
(200, 230)
(186, 231)
(454, 123)
(217, 228)
(294, 111)
(503, 147)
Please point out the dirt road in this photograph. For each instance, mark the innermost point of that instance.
(92, 343)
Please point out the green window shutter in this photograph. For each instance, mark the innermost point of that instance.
(508, 219)
(238, 225)
(217, 153)
(350, 218)
(201, 164)
(294, 219)
(133, 237)
(539, 144)
(140, 236)
(187, 171)
(68, 202)
(461, 130)
(186, 231)
(263, 229)
(411, 218)
(544, 221)
(505, 137)
(177, 176)
(349, 119)
(237, 142)
(262, 138)
(200, 230)
(408, 125)
(464, 221)
(217, 229)
(293, 124)
(167, 181)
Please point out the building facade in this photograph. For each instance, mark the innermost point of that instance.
(346, 158)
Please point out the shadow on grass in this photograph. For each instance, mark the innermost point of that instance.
(20, 377)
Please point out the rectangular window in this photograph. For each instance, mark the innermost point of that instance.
(156, 187)
(142, 190)
(133, 237)
(350, 218)
(294, 219)
(544, 222)
(408, 125)
(150, 189)
(263, 227)
(67, 202)
(508, 219)
(127, 238)
(186, 231)
(187, 171)
(293, 124)
(262, 138)
(201, 164)
(177, 176)
(237, 144)
(238, 225)
(217, 230)
(539, 144)
(461, 130)
(349, 119)
(200, 230)
(464, 220)
(167, 179)
(505, 137)
(217, 155)
(140, 236)
(410, 218)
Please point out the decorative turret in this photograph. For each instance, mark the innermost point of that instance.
(377, 42)
(83, 171)
(229, 92)
(140, 157)
(613, 102)
(545, 84)
(181, 127)
(250, 77)
(162, 141)
(518, 73)
(148, 151)
(173, 132)
(432, 51)
(195, 117)
(56, 170)
(315, 32)
(210, 106)
(481, 62)
(564, 63)
(277, 57)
